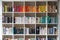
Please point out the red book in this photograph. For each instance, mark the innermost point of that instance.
(26, 8)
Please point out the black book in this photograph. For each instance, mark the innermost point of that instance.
(9, 9)
(10, 19)
(37, 30)
(32, 31)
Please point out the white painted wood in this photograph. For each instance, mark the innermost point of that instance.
(13, 0)
(59, 21)
(52, 0)
(0, 20)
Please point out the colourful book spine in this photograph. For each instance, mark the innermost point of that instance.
(5, 8)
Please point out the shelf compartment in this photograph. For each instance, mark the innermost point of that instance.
(7, 18)
(41, 29)
(7, 37)
(19, 18)
(7, 29)
(52, 18)
(18, 37)
(30, 18)
(52, 29)
(29, 29)
(19, 7)
(40, 18)
(18, 29)
(40, 37)
(52, 38)
(52, 6)
(30, 7)
(29, 37)
(7, 7)
(41, 7)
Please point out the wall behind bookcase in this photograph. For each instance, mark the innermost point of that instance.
(59, 20)
(0, 20)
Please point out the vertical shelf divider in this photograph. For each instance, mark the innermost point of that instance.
(13, 19)
(46, 19)
(24, 20)
(35, 20)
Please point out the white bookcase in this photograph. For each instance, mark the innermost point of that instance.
(37, 20)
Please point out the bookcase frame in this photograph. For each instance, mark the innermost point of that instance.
(35, 13)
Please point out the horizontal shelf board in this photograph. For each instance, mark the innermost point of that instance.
(30, 12)
(18, 23)
(19, 12)
(40, 34)
(7, 12)
(7, 34)
(52, 23)
(40, 23)
(19, 34)
(52, 34)
(52, 12)
(30, 34)
(30, 23)
(7, 23)
(41, 12)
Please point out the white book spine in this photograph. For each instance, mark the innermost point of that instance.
(29, 20)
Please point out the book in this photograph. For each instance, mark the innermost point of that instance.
(18, 30)
(55, 30)
(31, 30)
(5, 8)
(7, 30)
(42, 8)
(26, 30)
(50, 30)
(37, 30)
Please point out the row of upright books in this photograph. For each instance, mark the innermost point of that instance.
(18, 30)
(7, 8)
(41, 30)
(7, 39)
(6, 19)
(52, 8)
(52, 30)
(19, 39)
(52, 38)
(40, 38)
(41, 19)
(19, 20)
(19, 8)
(25, 20)
(38, 30)
(52, 19)
(29, 38)
(29, 30)
(29, 20)
(7, 30)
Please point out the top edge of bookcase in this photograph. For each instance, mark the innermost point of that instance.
(29, 0)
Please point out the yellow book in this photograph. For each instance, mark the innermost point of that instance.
(42, 8)
(5, 8)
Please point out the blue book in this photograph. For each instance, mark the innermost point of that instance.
(50, 30)
(43, 19)
(49, 19)
(50, 38)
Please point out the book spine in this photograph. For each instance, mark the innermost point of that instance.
(5, 8)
